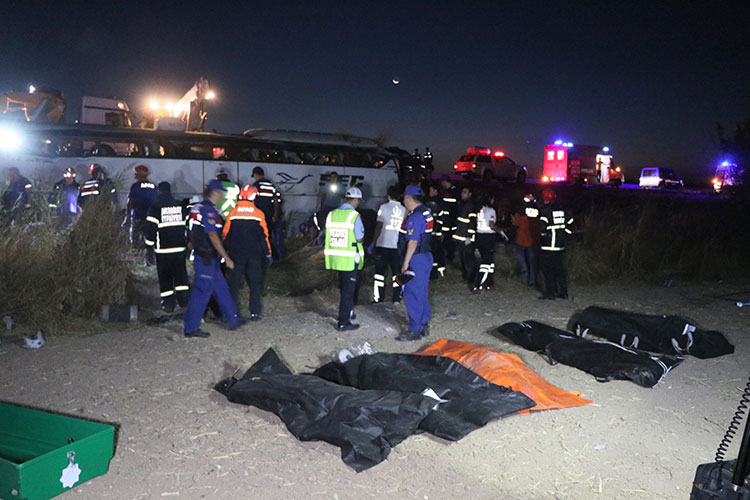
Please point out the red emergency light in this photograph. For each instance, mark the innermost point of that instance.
(476, 150)
(499, 153)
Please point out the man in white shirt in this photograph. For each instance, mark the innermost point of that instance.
(485, 243)
(385, 244)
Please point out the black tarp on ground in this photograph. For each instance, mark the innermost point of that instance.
(604, 360)
(460, 387)
(662, 334)
(366, 424)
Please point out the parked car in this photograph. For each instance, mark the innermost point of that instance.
(659, 177)
(489, 165)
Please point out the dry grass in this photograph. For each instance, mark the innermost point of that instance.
(649, 238)
(50, 276)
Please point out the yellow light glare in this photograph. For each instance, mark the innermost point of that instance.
(153, 105)
(210, 94)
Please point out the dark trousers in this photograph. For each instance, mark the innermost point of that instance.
(438, 257)
(527, 259)
(485, 243)
(555, 275)
(449, 245)
(173, 280)
(137, 226)
(347, 287)
(468, 261)
(209, 282)
(416, 292)
(385, 259)
(252, 271)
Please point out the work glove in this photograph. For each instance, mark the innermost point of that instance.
(370, 248)
(269, 260)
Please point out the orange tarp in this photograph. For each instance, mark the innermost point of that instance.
(506, 369)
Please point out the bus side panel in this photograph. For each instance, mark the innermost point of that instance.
(297, 183)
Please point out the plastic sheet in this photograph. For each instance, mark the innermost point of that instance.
(506, 369)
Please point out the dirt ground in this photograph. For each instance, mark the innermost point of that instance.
(180, 439)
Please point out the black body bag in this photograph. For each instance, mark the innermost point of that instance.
(604, 360)
(662, 334)
(467, 401)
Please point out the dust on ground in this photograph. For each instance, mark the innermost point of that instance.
(180, 439)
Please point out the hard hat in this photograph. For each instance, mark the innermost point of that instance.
(222, 171)
(548, 195)
(353, 193)
(216, 184)
(141, 169)
(93, 167)
(529, 198)
(69, 172)
(413, 190)
(248, 193)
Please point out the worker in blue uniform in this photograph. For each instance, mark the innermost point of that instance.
(415, 247)
(209, 281)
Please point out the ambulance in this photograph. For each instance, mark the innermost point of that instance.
(579, 164)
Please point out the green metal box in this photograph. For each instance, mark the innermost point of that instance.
(44, 454)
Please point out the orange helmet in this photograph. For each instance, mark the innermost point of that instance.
(548, 195)
(69, 172)
(93, 167)
(248, 193)
(141, 169)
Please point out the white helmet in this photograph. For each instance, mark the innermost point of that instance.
(353, 193)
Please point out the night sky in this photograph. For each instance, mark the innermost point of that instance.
(649, 79)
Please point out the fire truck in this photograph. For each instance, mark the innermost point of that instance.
(579, 164)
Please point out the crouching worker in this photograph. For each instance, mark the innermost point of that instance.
(209, 282)
(165, 235)
(415, 245)
(246, 240)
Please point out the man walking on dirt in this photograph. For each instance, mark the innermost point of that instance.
(209, 281)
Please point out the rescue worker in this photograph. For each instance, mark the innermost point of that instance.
(165, 235)
(555, 225)
(344, 253)
(385, 243)
(435, 203)
(98, 184)
(142, 194)
(448, 216)
(415, 246)
(526, 221)
(486, 238)
(18, 196)
(245, 235)
(229, 199)
(64, 197)
(268, 201)
(209, 281)
(465, 235)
